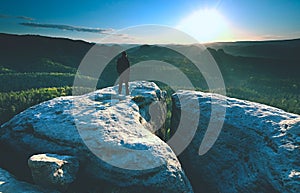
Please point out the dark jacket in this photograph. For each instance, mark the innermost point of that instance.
(122, 64)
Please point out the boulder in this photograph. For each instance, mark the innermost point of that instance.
(257, 149)
(110, 134)
(53, 171)
(9, 184)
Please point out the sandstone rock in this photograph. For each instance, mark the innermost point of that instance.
(53, 171)
(257, 149)
(8, 184)
(108, 135)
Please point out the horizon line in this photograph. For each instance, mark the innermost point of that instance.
(112, 43)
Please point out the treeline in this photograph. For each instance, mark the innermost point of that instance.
(12, 103)
(281, 93)
(286, 101)
(25, 81)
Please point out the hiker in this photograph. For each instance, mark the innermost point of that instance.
(123, 71)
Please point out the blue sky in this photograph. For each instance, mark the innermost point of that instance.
(206, 21)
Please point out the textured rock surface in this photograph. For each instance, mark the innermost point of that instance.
(108, 135)
(256, 151)
(8, 184)
(53, 171)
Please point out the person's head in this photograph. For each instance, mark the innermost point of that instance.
(124, 54)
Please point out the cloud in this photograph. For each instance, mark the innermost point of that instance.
(68, 27)
(272, 36)
(25, 18)
(4, 16)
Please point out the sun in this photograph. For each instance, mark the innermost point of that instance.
(206, 25)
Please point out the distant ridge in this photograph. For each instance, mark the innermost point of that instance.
(272, 49)
(33, 53)
(24, 53)
(41, 36)
(268, 41)
(256, 41)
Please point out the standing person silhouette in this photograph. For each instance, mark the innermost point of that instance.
(123, 71)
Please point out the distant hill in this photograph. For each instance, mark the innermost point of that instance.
(32, 53)
(276, 49)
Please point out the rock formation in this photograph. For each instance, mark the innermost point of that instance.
(258, 149)
(111, 136)
(53, 171)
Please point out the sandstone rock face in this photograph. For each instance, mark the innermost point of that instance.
(8, 184)
(257, 149)
(111, 136)
(53, 171)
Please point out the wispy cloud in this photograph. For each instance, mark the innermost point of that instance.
(25, 18)
(272, 36)
(68, 27)
(5, 16)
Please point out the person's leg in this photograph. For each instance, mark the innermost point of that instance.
(127, 88)
(120, 84)
(126, 80)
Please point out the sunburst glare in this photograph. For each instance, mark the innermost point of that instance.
(206, 25)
